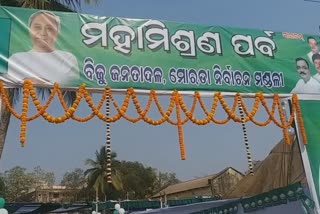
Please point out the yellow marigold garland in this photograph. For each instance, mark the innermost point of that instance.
(300, 121)
(180, 131)
(283, 122)
(25, 102)
(165, 115)
(176, 100)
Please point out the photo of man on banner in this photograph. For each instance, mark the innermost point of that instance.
(316, 62)
(43, 64)
(307, 84)
(314, 49)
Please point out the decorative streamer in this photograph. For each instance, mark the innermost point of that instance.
(245, 135)
(24, 113)
(108, 139)
(176, 100)
(180, 130)
(300, 120)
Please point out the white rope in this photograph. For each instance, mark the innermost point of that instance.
(245, 136)
(108, 141)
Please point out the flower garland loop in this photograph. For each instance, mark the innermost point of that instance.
(176, 101)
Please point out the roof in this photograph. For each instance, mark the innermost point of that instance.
(64, 210)
(192, 184)
(27, 209)
(283, 163)
(293, 206)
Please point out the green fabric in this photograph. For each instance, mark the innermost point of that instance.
(179, 56)
(310, 110)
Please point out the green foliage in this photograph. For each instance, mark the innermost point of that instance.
(17, 182)
(131, 180)
(74, 179)
(42, 178)
(97, 174)
(2, 186)
(138, 180)
(141, 181)
(165, 179)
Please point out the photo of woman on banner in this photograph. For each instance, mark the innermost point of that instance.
(43, 64)
(307, 84)
(314, 49)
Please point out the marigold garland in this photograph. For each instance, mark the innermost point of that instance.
(180, 131)
(176, 101)
(300, 121)
(25, 102)
(283, 122)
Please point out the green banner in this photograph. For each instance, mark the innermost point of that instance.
(71, 49)
(311, 114)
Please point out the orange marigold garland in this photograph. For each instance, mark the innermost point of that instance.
(300, 120)
(175, 101)
(283, 122)
(41, 109)
(180, 131)
(25, 100)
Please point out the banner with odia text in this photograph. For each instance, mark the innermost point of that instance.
(71, 49)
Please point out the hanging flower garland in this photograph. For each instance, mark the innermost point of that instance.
(176, 101)
(300, 121)
(25, 102)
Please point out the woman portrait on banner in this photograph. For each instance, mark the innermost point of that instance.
(43, 64)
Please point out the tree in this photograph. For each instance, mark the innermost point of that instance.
(165, 179)
(2, 186)
(13, 93)
(17, 182)
(42, 178)
(74, 179)
(138, 180)
(97, 175)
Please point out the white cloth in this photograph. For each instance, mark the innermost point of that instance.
(310, 54)
(56, 66)
(311, 87)
(317, 77)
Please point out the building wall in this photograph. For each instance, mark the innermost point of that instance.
(219, 186)
(52, 195)
(224, 183)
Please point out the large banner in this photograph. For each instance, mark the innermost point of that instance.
(311, 115)
(71, 49)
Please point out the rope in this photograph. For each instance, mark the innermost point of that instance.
(245, 136)
(108, 140)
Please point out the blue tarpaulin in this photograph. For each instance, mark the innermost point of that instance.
(27, 209)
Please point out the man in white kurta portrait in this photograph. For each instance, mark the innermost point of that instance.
(307, 84)
(316, 62)
(43, 64)
(314, 49)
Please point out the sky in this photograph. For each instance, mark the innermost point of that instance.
(209, 149)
